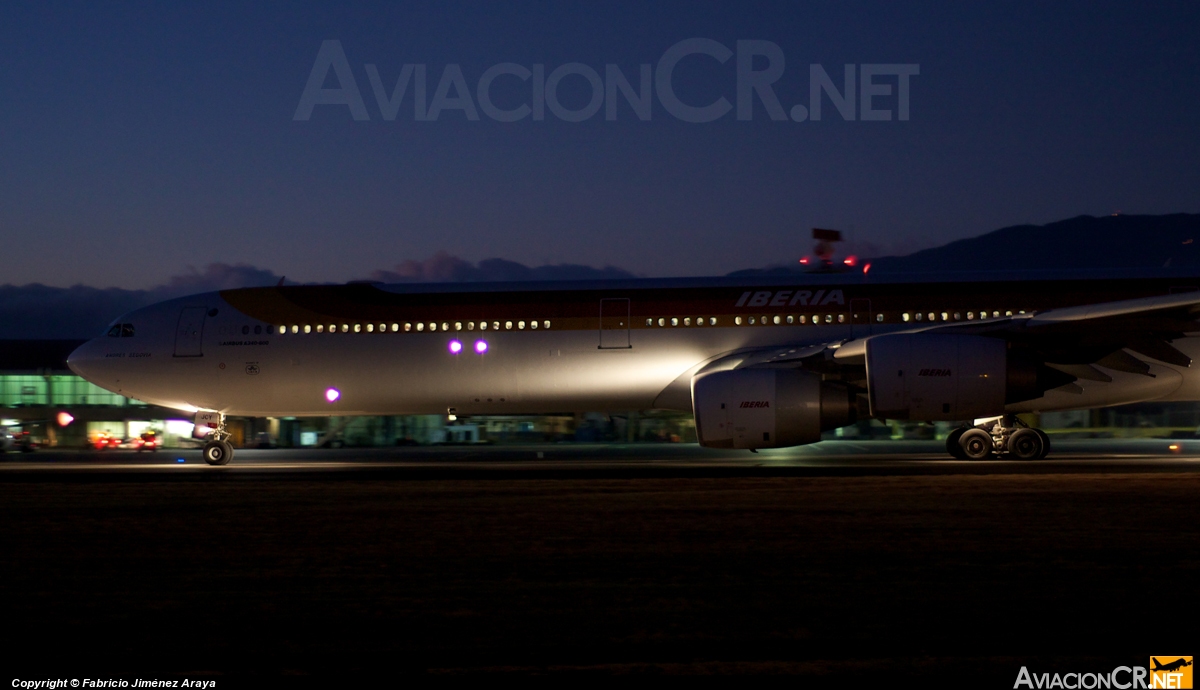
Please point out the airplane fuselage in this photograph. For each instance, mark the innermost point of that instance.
(538, 348)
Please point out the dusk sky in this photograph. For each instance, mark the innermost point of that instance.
(139, 139)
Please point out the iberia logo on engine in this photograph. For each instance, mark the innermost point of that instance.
(1170, 671)
(756, 403)
(934, 372)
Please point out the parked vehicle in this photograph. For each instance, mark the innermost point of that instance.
(147, 441)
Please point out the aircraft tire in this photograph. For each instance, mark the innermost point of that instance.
(976, 444)
(1026, 444)
(952, 445)
(1045, 444)
(218, 452)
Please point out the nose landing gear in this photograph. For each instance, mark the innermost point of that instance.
(217, 449)
(1005, 436)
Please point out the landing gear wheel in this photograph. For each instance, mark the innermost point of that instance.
(1026, 444)
(976, 444)
(218, 452)
(1045, 443)
(952, 443)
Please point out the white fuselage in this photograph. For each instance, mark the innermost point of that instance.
(206, 352)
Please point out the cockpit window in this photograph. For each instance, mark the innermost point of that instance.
(126, 330)
(115, 331)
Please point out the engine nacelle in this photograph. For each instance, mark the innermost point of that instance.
(931, 376)
(767, 408)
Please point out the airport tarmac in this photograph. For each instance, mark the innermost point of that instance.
(842, 561)
(831, 458)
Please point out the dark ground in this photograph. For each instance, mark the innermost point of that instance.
(954, 577)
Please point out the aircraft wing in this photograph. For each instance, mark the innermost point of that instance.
(1074, 338)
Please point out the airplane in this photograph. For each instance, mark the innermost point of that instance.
(1179, 663)
(767, 361)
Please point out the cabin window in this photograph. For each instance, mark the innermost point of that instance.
(970, 316)
(458, 325)
(470, 325)
(841, 318)
(295, 329)
(829, 318)
(521, 325)
(420, 327)
(687, 321)
(751, 320)
(904, 317)
(508, 325)
(1008, 313)
(545, 324)
(737, 320)
(370, 328)
(777, 320)
(920, 316)
(803, 318)
(307, 328)
(649, 322)
(533, 325)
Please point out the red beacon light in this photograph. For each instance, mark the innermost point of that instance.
(804, 261)
(850, 260)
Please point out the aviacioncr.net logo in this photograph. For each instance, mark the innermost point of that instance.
(1161, 672)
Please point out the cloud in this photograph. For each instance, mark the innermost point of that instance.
(216, 277)
(443, 267)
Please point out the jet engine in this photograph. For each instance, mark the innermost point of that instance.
(767, 408)
(933, 376)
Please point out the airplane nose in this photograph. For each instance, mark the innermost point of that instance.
(82, 361)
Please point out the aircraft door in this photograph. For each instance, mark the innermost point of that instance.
(190, 331)
(861, 318)
(614, 324)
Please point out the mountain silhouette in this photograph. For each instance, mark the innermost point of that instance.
(1117, 241)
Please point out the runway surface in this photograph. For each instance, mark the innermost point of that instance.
(831, 458)
(839, 561)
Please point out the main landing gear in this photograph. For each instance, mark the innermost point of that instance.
(1004, 436)
(217, 449)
